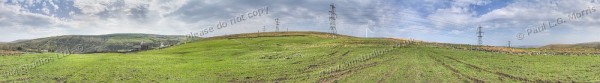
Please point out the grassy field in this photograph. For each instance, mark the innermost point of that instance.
(300, 58)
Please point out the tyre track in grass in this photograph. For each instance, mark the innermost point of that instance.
(343, 73)
(495, 73)
(456, 72)
(394, 69)
(338, 74)
(386, 75)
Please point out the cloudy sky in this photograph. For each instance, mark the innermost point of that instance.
(452, 21)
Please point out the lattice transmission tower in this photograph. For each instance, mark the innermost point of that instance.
(332, 18)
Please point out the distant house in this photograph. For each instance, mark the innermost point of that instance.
(140, 47)
(163, 45)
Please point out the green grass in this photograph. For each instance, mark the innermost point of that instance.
(303, 59)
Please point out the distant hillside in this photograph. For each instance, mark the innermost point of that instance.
(281, 34)
(95, 43)
(528, 46)
(595, 45)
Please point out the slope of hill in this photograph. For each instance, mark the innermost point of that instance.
(95, 43)
(595, 45)
(300, 57)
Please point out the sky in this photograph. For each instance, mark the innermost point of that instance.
(449, 21)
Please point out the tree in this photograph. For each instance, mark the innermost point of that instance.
(20, 48)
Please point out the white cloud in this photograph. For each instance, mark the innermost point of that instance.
(54, 5)
(92, 6)
(521, 15)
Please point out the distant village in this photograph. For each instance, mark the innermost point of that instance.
(146, 46)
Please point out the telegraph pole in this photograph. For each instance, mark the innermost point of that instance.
(479, 35)
(332, 19)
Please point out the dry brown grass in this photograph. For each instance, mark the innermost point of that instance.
(7, 52)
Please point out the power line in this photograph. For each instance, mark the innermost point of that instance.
(419, 23)
(423, 25)
(434, 20)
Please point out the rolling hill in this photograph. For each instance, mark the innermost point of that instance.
(94, 43)
(304, 57)
(595, 45)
